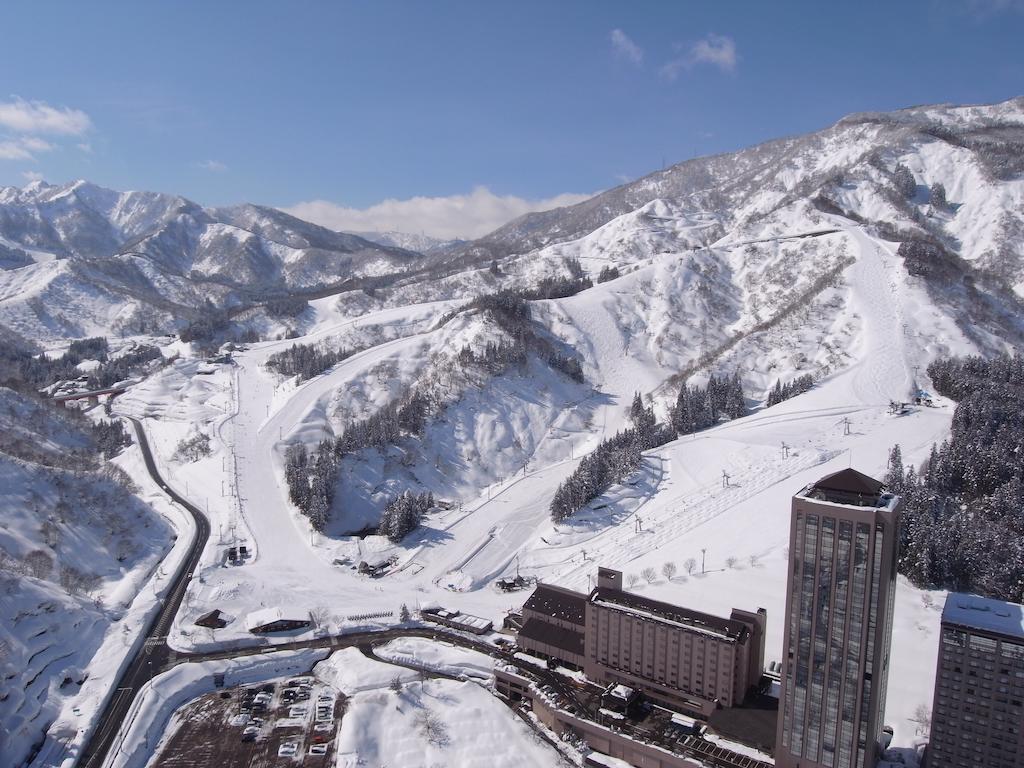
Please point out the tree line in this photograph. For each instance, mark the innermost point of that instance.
(797, 386)
(698, 407)
(963, 512)
(306, 360)
(611, 462)
(404, 514)
(311, 477)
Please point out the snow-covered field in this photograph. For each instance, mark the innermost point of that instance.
(434, 722)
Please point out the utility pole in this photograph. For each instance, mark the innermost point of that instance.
(785, 450)
(702, 553)
(846, 425)
(725, 479)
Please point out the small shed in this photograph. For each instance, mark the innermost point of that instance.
(215, 619)
(274, 620)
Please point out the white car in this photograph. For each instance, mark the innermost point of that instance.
(288, 749)
(318, 749)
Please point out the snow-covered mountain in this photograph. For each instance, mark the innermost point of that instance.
(977, 152)
(81, 259)
(420, 243)
(76, 545)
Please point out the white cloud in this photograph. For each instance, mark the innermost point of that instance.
(984, 9)
(23, 148)
(215, 166)
(716, 50)
(624, 47)
(35, 144)
(23, 116)
(32, 175)
(85, 146)
(457, 216)
(12, 150)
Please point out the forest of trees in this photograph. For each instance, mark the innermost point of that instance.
(607, 273)
(698, 408)
(311, 478)
(306, 360)
(963, 518)
(611, 462)
(22, 371)
(404, 514)
(797, 386)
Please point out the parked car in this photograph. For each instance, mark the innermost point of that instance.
(288, 749)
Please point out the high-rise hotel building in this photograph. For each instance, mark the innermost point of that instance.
(839, 603)
(978, 711)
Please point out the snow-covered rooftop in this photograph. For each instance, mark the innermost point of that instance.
(266, 616)
(985, 614)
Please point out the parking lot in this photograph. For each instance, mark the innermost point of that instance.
(286, 722)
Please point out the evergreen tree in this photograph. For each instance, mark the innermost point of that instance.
(906, 186)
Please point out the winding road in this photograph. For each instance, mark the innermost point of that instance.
(154, 653)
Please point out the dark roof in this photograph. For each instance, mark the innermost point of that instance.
(850, 481)
(550, 634)
(212, 619)
(559, 603)
(735, 630)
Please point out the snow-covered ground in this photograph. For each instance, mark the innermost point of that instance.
(428, 722)
(674, 509)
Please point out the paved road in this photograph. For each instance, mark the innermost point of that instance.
(154, 654)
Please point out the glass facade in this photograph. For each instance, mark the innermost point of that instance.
(841, 586)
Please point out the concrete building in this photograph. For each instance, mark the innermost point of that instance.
(836, 637)
(686, 660)
(978, 710)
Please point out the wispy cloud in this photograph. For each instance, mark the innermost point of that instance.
(32, 175)
(214, 166)
(715, 50)
(23, 123)
(23, 116)
(984, 9)
(456, 216)
(624, 48)
(23, 147)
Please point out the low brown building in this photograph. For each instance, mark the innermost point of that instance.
(684, 659)
(554, 620)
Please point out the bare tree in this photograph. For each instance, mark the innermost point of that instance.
(730, 562)
(754, 561)
(319, 615)
(632, 580)
(690, 565)
(39, 564)
(923, 718)
(396, 684)
(649, 574)
(669, 570)
(433, 728)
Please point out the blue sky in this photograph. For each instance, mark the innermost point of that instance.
(459, 114)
